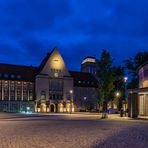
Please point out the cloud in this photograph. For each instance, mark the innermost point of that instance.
(78, 28)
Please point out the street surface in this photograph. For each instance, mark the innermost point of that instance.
(80, 130)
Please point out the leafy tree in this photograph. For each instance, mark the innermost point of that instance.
(105, 77)
(118, 85)
(132, 65)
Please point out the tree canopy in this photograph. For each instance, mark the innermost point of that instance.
(132, 65)
(105, 77)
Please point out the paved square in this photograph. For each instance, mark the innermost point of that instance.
(70, 131)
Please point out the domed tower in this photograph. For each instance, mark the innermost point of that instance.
(89, 65)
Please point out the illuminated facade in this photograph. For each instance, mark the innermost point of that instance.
(51, 87)
(138, 98)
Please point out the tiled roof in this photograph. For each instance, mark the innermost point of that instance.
(83, 79)
(16, 72)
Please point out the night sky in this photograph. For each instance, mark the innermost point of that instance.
(78, 28)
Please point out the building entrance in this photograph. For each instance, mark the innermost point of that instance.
(52, 108)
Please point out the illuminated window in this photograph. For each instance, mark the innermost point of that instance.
(19, 89)
(91, 60)
(12, 90)
(141, 104)
(6, 90)
(25, 95)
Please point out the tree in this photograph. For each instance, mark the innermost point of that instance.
(105, 77)
(132, 65)
(119, 85)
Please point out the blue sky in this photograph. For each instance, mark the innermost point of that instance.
(78, 28)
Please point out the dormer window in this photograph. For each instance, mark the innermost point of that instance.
(5, 75)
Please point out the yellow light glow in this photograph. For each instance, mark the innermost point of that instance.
(64, 109)
(61, 108)
(68, 107)
(145, 83)
(39, 110)
(91, 60)
(48, 110)
(57, 62)
(43, 107)
(73, 110)
(117, 94)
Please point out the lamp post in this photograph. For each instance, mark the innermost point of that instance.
(85, 98)
(71, 92)
(125, 101)
(118, 103)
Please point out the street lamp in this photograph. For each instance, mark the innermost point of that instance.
(117, 94)
(71, 92)
(117, 99)
(124, 101)
(85, 98)
(125, 79)
(28, 109)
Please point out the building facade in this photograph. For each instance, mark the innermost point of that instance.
(51, 87)
(138, 98)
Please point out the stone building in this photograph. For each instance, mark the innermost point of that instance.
(50, 87)
(138, 98)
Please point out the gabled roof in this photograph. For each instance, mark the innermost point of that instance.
(17, 72)
(44, 61)
(83, 79)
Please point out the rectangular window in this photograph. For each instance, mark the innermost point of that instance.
(12, 90)
(141, 104)
(25, 91)
(6, 90)
(19, 89)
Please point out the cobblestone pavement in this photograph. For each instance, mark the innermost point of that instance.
(70, 131)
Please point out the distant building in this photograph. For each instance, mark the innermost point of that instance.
(50, 87)
(89, 65)
(138, 98)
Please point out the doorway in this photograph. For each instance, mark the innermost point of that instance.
(52, 108)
